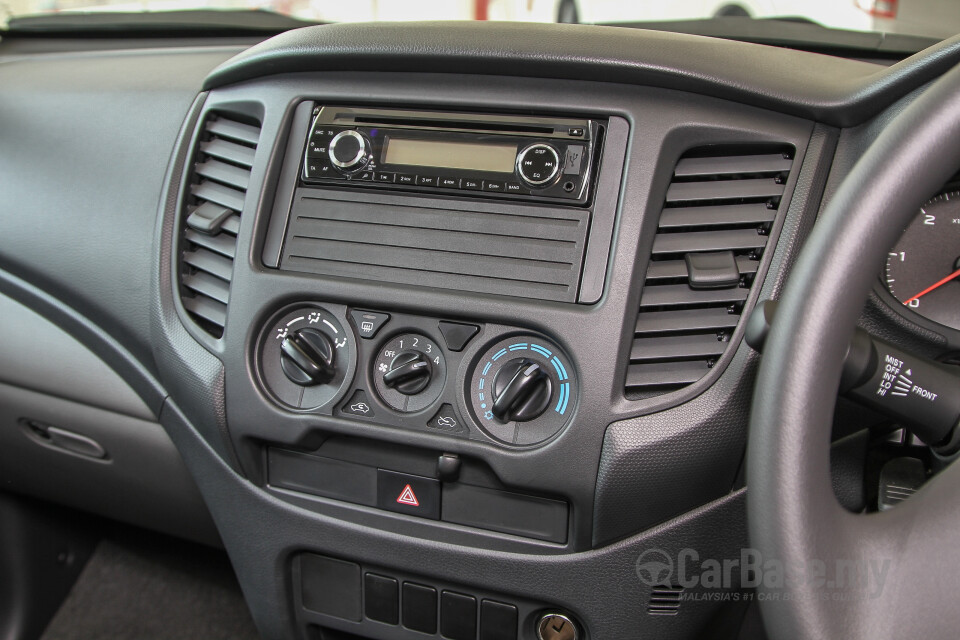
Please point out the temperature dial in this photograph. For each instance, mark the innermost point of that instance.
(349, 150)
(409, 372)
(523, 390)
(305, 357)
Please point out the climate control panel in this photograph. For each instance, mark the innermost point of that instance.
(460, 379)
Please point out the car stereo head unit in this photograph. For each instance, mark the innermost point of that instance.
(496, 155)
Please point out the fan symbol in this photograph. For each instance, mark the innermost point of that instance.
(383, 368)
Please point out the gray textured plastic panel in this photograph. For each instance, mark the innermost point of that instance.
(632, 494)
(530, 252)
(141, 479)
(79, 376)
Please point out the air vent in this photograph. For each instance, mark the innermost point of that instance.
(720, 208)
(217, 189)
(665, 601)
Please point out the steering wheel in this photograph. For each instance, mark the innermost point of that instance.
(827, 573)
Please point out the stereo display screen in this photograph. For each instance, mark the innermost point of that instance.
(473, 156)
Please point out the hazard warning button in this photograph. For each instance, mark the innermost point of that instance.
(404, 493)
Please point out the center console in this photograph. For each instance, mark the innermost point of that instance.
(501, 205)
(424, 295)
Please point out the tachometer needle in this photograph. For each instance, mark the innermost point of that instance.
(934, 286)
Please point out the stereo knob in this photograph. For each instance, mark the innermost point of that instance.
(349, 150)
(307, 357)
(409, 373)
(538, 164)
(521, 391)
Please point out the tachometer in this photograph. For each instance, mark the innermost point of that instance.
(923, 269)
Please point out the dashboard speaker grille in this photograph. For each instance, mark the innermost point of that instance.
(211, 219)
(713, 230)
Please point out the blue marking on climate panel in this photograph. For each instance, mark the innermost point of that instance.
(482, 381)
(499, 354)
(520, 346)
(556, 365)
(566, 397)
(540, 350)
(559, 367)
(487, 368)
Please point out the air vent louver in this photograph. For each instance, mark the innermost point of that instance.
(665, 600)
(217, 189)
(712, 234)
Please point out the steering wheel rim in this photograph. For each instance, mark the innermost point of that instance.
(908, 555)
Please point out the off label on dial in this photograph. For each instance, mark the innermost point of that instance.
(409, 372)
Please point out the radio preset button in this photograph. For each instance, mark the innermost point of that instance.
(494, 185)
(385, 176)
(471, 185)
(427, 181)
(406, 178)
(538, 164)
(449, 183)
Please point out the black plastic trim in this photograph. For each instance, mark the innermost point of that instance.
(832, 90)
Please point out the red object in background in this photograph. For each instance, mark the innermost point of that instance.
(878, 8)
(481, 9)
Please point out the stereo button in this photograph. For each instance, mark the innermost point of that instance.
(317, 168)
(538, 164)
(427, 181)
(450, 183)
(471, 185)
(385, 176)
(405, 178)
(494, 185)
(348, 150)
(318, 148)
(514, 187)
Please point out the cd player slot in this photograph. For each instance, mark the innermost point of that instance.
(454, 124)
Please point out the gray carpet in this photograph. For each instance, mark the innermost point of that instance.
(145, 586)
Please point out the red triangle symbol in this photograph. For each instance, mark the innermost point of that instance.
(408, 497)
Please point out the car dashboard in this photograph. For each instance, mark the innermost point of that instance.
(436, 328)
